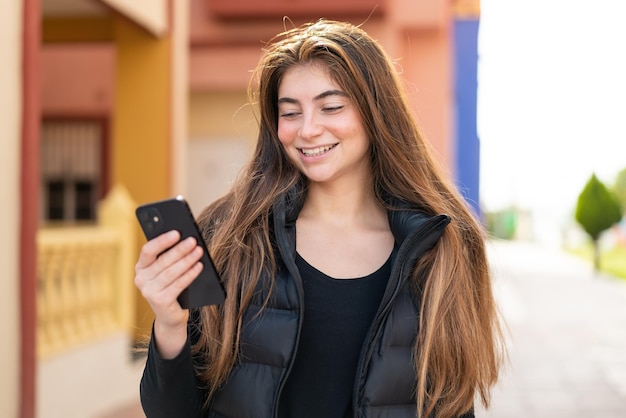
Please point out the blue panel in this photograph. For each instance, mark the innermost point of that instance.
(466, 84)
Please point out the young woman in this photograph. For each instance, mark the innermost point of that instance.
(356, 277)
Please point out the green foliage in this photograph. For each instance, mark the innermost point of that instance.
(619, 188)
(501, 224)
(597, 209)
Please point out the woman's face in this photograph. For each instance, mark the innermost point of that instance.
(320, 127)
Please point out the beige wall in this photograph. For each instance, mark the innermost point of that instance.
(10, 136)
(221, 114)
(222, 132)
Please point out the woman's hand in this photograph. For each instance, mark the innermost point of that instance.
(161, 278)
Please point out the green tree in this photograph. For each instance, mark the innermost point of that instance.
(597, 210)
(619, 188)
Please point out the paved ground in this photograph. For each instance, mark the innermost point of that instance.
(567, 338)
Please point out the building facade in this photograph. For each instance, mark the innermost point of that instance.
(111, 103)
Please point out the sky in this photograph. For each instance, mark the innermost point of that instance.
(551, 102)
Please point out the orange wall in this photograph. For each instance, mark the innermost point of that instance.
(141, 122)
(427, 65)
(76, 29)
(77, 79)
(141, 140)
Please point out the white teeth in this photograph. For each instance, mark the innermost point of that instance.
(314, 152)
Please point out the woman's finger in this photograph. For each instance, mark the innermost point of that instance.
(163, 297)
(159, 276)
(176, 253)
(151, 250)
(175, 271)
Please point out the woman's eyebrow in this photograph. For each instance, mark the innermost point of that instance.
(330, 93)
(287, 100)
(318, 97)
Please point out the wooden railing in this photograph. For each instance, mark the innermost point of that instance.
(85, 277)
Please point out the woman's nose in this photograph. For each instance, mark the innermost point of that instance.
(311, 126)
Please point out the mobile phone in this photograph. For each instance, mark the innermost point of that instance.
(162, 216)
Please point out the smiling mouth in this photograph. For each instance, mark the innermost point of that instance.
(315, 152)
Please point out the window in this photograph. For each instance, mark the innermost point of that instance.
(85, 204)
(56, 198)
(71, 172)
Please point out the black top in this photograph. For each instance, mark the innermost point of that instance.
(337, 316)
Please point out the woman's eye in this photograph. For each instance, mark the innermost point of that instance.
(288, 114)
(331, 109)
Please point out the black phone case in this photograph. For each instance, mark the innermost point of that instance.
(174, 214)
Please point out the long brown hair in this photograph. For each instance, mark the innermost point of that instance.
(458, 351)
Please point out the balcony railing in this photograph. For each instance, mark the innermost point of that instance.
(85, 277)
